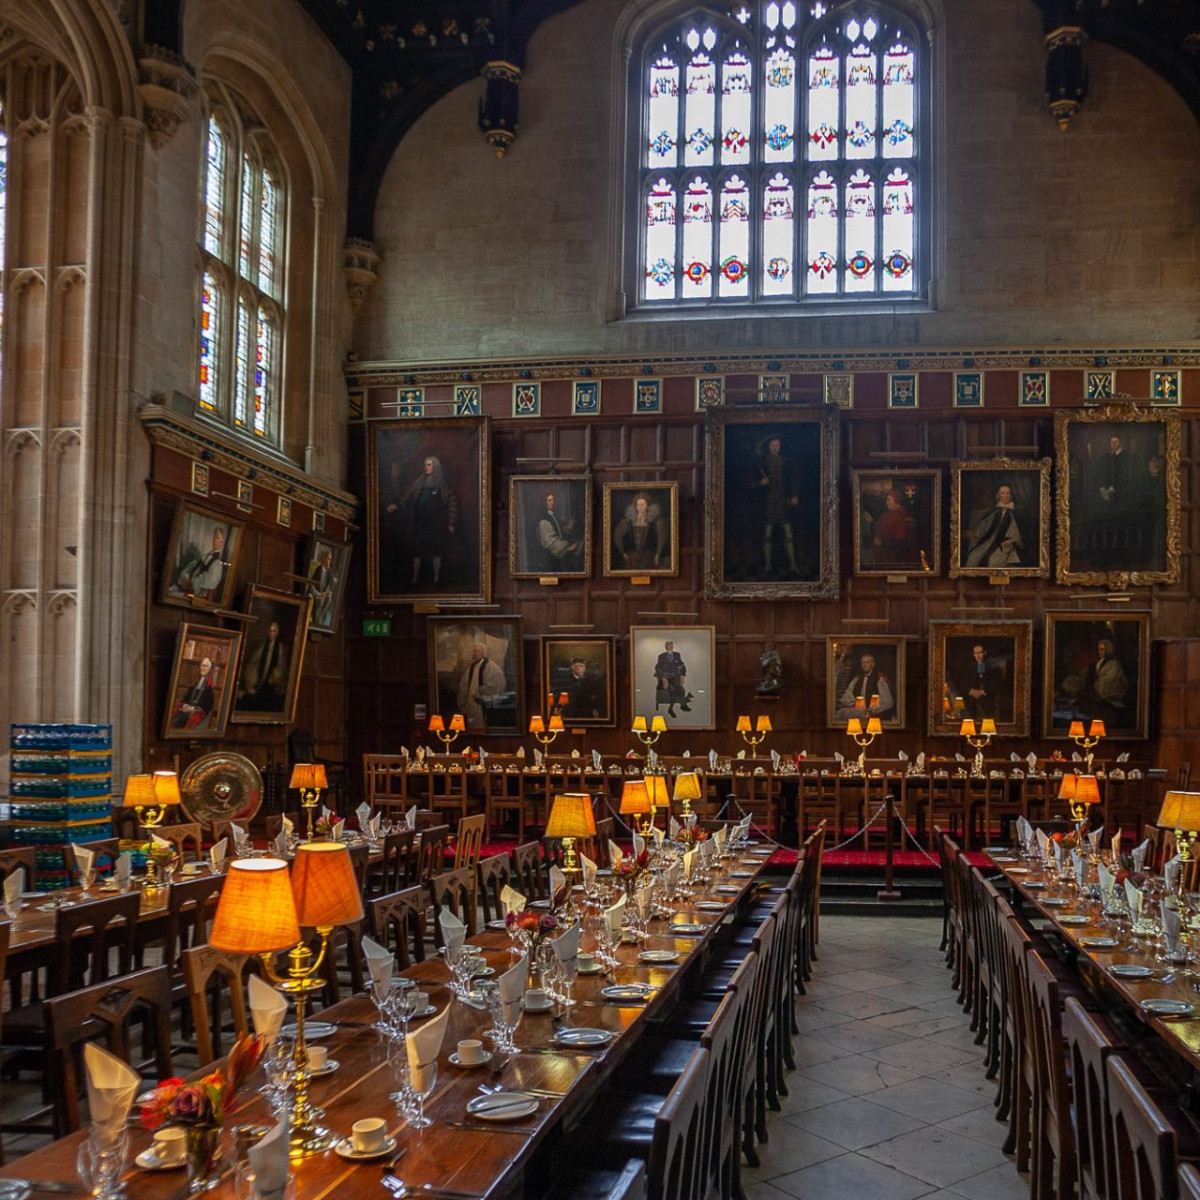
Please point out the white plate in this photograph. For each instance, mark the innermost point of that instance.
(712, 905)
(331, 1065)
(479, 1062)
(1018, 870)
(545, 1006)
(1074, 919)
(1035, 885)
(625, 991)
(345, 1149)
(1131, 971)
(312, 1030)
(483, 972)
(726, 890)
(149, 1161)
(1099, 943)
(503, 1106)
(995, 849)
(498, 924)
(583, 1037)
(658, 956)
(1162, 1007)
(1002, 858)
(687, 927)
(51, 906)
(742, 874)
(1055, 902)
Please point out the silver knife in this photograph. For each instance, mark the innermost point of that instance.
(48, 1185)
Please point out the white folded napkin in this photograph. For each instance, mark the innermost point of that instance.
(589, 871)
(483, 756)
(1076, 756)
(326, 813)
(1116, 846)
(958, 757)
(217, 852)
(1107, 881)
(425, 1042)
(410, 817)
(712, 760)
(1014, 757)
(1139, 855)
(111, 1087)
(512, 900)
(1094, 837)
(741, 754)
(1024, 831)
(673, 828)
(720, 836)
(652, 762)
(921, 761)
(337, 829)
(1031, 759)
(160, 843)
(642, 896)
(658, 835)
(597, 762)
(1171, 869)
(671, 878)
(520, 751)
(743, 826)
(454, 931)
(380, 963)
(14, 885)
(241, 839)
(1134, 899)
(269, 1158)
(538, 757)
(689, 861)
(512, 988)
(690, 820)
(1080, 866)
(614, 854)
(267, 1008)
(280, 844)
(902, 755)
(775, 759)
(639, 843)
(614, 916)
(288, 825)
(558, 887)
(83, 857)
(123, 868)
(1056, 846)
(566, 945)
(363, 813)
(1170, 924)
(1043, 843)
(1123, 756)
(373, 826)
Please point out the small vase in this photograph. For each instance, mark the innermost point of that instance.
(203, 1157)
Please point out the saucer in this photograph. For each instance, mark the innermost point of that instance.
(345, 1149)
(149, 1161)
(482, 1061)
(51, 906)
(331, 1065)
(1018, 870)
(545, 1006)
(711, 905)
(726, 890)
(503, 1106)
(996, 849)
(1055, 901)
(742, 874)
(596, 969)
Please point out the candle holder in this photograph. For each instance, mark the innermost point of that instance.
(310, 781)
(658, 726)
(761, 728)
(979, 739)
(546, 733)
(1087, 742)
(863, 737)
(447, 735)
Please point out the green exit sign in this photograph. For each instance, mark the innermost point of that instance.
(377, 627)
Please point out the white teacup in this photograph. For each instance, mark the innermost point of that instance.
(368, 1135)
(536, 998)
(470, 1051)
(318, 1057)
(170, 1144)
(420, 1001)
(586, 962)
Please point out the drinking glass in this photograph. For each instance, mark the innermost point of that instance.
(398, 1063)
(277, 1062)
(101, 1162)
(422, 1079)
(245, 1184)
(87, 877)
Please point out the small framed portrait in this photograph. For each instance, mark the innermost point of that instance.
(579, 678)
(429, 511)
(1118, 496)
(771, 512)
(550, 526)
(1097, 669)
(672, 674)
(200, 479)
(201, 558)
(865, 677)
(475, 666)
(326, 563)
(979, 669)
(269, 678)
(1000, 518)
(641, 529)
(897, 522)
(201, 690)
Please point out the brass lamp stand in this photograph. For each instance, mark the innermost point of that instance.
(863, 738)
(447, 736)
(1181, 812)
(310, 781)
(761, 728)
(979, 740)
(150, 796)
(571, 817)
(1087, 742)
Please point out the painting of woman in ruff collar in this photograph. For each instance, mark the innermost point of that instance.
(641, 527)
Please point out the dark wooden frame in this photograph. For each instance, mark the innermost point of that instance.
(600, 654)
(954, 640)
(844, 654)
(316, 545)
(527, 558)
(870, 489)
(191, 538)
(619, 499)
(697, 645)
(291, 612)
(971, 489)
(195, 643)
(450, 643)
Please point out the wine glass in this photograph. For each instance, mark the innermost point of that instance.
(422, 1079)
(101, 1161)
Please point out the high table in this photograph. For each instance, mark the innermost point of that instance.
(460, 1157)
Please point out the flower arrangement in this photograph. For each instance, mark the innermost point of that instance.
(630, 869)
(689, 835)
(533, 928)
(207, 1102)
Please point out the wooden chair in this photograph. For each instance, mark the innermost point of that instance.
(504, 792)
(104, 855)
(398, 922)
(531, 878)
(1091, 1041)
(343, 969)
(188, 840)
(468, 846)
(605, 831)
(104, 1011)
(432, 852)
(492, 875)
(211, 975)
(453, 890)
(948, 806)
(1189, 1182)
(385, 782)
(448, 791)
(399, 866)
(14, 860)
(191, 906)
(678, 1167)
(1055, 1166)
(817, 800)
(360, 861)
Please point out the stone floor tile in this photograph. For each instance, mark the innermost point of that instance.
(804, 1094)
(923, 1057)
(1000, 1183)
(936, 1155)
(790, 1148)
(860, 980)
(928, 1099)
(856, 1037)
(855, 1123)
(857, 1075)
(810, 1049)
(851, 1177)
(862, 1004)
(980, 1124)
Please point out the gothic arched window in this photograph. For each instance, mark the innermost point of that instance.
(783, 153)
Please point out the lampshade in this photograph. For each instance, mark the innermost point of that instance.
(658, 725)
(743, 724)
(139, 791)
(1066, 790)
(875, 725)
(256, 913)
(988, 725)
(436, 724)
(1076, 729)
(639, 725)
(687, 786)
(556, 724)
(763, 724)
(656, 789)
(967, 728)
(854, 726)
(1087, 790)
(308, 776)
(166, 787)
(457, 724)
(537, 725)
(324, 885)
(1180, 810)
(1097, 730)
(571, 816)
(634, 797)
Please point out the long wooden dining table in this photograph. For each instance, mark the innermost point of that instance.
(462, 1157)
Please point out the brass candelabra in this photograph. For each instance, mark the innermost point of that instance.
(979, 739)
(1087, 742)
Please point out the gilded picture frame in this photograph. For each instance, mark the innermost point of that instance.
(1097, 667)
(550, 526)
(897, 522)
(672, 674)
(979, 669)
(641, 529)
(429, 511)
(202, 682)
(326, 565)
(584, 670)
(1118, 497)
(866, 666)
(202, 556)
(1000, 519)
(268, 681)
(771, 505)
(475, 668)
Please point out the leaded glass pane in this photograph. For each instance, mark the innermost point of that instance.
(822, 219)
(860, 102)
(779, 226)
(700, 111)
(734, 252)
(860, 234)
(241, 399)
(779, 109)
(736, 73)
(824, 104)
(264, 369)
(898, 239)
(697, 240)
(249, 210)
(663, 121)
(899, 102)
(660, 265)
(214, 189)
(268, 232)
(210, 318)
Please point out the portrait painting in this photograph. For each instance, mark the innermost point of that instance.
(641, 529)
(1000, 518)
(865, 678)
(201, 688)
(771, 511)
(980, 670)
(672, 674)
(428, 511)
(897, 522)
(269, 679)
(579, 678)
(1097, 668)
(326, 562)
(1118, 496)
(550, 526)
(201, 558)
(475, 668)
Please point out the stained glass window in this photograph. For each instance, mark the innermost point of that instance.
(783, 155)
(241, 316)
